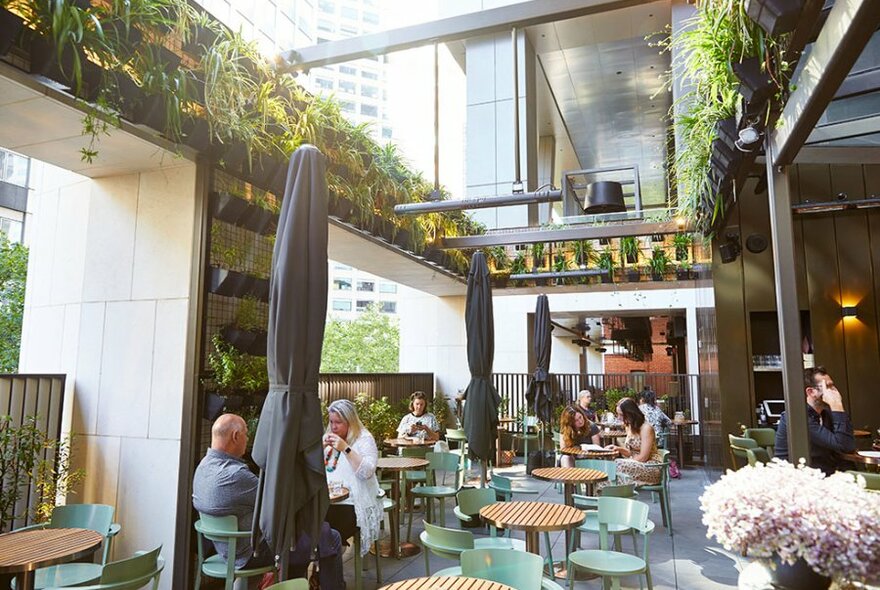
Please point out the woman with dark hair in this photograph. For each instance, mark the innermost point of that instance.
(640, 447)
(419, 422)
(654, 415)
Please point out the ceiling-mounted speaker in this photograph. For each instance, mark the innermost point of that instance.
(604, 196)
(756, 243)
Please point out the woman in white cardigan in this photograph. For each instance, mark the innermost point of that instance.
(350, 457)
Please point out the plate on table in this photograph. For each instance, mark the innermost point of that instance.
(870, 454)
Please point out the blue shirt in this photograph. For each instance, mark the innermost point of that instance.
(831, 433)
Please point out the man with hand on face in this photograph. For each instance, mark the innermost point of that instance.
(831, 432)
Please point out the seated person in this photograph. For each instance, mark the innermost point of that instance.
(831, 432)
(350, 457)
(585, 398)
(575, 430)
(223, 485)
(654, 415)
(419, 422)
(640, 446)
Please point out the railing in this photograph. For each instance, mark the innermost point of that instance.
(394, 386)
(42, 396)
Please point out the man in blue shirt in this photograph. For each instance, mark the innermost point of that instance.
(831, 432)
(223, 485)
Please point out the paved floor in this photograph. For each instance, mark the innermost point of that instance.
(685, 561)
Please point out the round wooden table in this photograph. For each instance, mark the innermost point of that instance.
(446, 583)
(611, 435)
(579, 453)
(340, 495)
(570, 477)
(22, 553)
(532, 518)
(398, 465)
(859, 458)
(680, 425)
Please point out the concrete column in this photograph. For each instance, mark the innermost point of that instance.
(693, 357)
(546, 168)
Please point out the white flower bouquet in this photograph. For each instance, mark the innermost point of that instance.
(833, 523)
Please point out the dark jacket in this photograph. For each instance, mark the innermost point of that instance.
(831, 433)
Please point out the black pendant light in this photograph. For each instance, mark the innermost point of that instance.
(605, 196)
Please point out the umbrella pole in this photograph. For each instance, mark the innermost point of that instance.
(483, 468)
(283, 566)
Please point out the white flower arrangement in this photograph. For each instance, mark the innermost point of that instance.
(833, 523)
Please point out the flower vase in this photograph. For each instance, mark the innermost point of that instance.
(798, 576)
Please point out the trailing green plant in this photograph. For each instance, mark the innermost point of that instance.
(55, 478)
(606, 260)
(584, 253)
(236, 372)
(499, 258)
(560, 262)
(659, 262)
(248, 316)
(519, 265)
(538, 255)
(629, 249)
(682, 243)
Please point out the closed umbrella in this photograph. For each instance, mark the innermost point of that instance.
(539, 395)
(292, 498)
(481, 406)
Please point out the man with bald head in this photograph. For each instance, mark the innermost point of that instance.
(223, 485)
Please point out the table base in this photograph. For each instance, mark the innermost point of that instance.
(386, 549)
(580, 575)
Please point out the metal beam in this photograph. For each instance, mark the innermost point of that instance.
(587, 232)
(787, 310)
(456, 28)
(850, 25)
(549, 196)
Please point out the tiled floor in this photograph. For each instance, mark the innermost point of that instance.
(685, 561)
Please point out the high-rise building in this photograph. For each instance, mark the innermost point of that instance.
(14, 171)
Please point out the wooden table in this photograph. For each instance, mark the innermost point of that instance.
(612, 434)
(339, 496)
(502, 424)
(570, 477)
(532, 518)
(446, 583)
(861, 433)
(680, 425)
(398, 465)
(579, 453)
(22, 553)
(408, 442)
(857, 458)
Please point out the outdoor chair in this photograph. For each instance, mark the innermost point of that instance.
(450, 543)
(591, 520)
(519, 570)
(620, 512)
(872, 480)
(765, 437)
(225, 530)
(435, 488)
(415, 476)
(470, 501)
(663, 440)
(96, 517)
(757, 455)
(504, 489)
(296, 584)
(128, 574)
(530, 431)
(662, 489)
(388, 506)
(609, 468)
(738, 446)
(457, 435)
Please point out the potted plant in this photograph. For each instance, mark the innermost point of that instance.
(606, 263)
(629, 248)
(780, 513)
(584, 253)
(633, 273)
(659, 264)
(538, 261)
(683, 271)
(498, 258)
(560, 264)
(682, 243)
(519, 266)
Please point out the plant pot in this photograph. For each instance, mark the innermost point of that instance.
(657, 276)
(341, 208)
(151, 112)
(197, 135)
(435, 255)
(234, 157)
(225, 282)
(201, 38)
(259, 288)
(500, 281)
(213, 406)
(683, 275)
(403, 239)
(799, 576)
(257, 219)
(246, 341)
(10, 27)
(607, 277)
(633, 276)
(228, 207)
(118, 34)
(45, 62)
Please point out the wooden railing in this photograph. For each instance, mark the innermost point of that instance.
(394, 386)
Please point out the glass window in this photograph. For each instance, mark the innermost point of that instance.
(347, 87)
(370, 110)
(369, 75)
(340, 266)
(371, 17)
(348, 30)
(14, 168)
(342, 305)
(366, 286)
(369, 91)
(348, 70)
(348, 12)
(323, 40)
(342, 284)
(363, 305)
(11, 228)
(387, 288)
(386, 132)
(324, 83)
(347, 106)
(326, 6)
(389, 307)
(325, 25)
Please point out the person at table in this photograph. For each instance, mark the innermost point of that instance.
(350, 457)
(653, 414)
(419, 422)
(830, 429)
(639, 448)
(223, 485)
(585, 398)
(575, 430)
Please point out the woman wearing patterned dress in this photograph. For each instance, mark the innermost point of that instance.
(654, 415)
(640, 447)
(419, 422)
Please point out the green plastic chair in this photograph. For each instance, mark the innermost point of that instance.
(295, 584)
(615, 564)
(757, 455)
(439, 467)
(225, 530)
(662, 489)
(504, 489)
(607, 467)
(872, 480)
(95, 517)
(129, 574)
(450, 543)
(470, 501)
(458, 436)
(591, 516)
(528, 424)
(738, 446)
(415, 476)
(765, 437)
(519, 570)
(388, 506)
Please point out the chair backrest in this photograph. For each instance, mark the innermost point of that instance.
(456, 434)
(296, 584)
(742, 442)
(619, 491)
(134, 572)
(96, 517)
(443, 463)
(764, 437)
(557, 439)
(607, 467)
(620, 511)
(872, 480)
(502, 486)
(417, 452)
(757, 455)
(449, 538)
(517, 569)
(662, 440)
(471, 500)
(217, 528)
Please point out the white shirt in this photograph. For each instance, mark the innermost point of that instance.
(426, 419)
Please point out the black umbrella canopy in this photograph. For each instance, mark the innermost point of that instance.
(539, 395)
(293, 497)
(481, 407)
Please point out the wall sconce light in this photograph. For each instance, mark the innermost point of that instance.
(850, 311)
(730, 249)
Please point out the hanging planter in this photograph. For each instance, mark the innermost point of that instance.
(633, 275)
(257, 219)
(10, 26)
(150, 112)
(230, 283)
(197, 133)
(247, 341)
(227, 207)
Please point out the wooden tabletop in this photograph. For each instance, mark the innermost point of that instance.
(446, 583)
(681, 423)
(612, 433)
(339, 496)
(28, 550)
(861, 433)
(532, 516)
(858, 458)
(401, 463)
(579, 452)
(506, 420)
(569, 474)
(408, 442)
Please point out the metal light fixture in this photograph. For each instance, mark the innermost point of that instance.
(730, 249)
(775, 16)
(850, 311)
(604, 196)
(749, 139)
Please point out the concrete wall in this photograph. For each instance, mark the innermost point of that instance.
(107, 303)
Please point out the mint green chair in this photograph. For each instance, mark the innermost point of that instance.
(225, 530)
(662, 489)
(530, 431)
(615, 564)
(514, 568)
(504, 489)
(129, 574)
(470, 501)
(458, 436)
(440, 466)
(765, 437)
(757, 455)
(738, 446)
(296, 584)
(450, 543)
(872, 480)
(591, 516)
(607, 467)
(95, 517)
